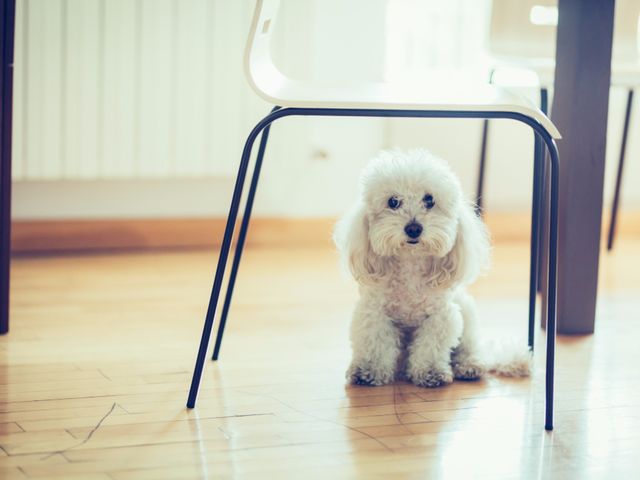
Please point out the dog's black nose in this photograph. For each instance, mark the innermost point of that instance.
(413, 230)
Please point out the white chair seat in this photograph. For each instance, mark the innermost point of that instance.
(401, 96)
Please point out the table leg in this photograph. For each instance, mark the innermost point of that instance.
(580, 105)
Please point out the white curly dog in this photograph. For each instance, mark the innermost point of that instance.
(413, 243)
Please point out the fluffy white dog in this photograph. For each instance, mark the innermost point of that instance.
(413, 243)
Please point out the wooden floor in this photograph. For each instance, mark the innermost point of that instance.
(95, 371)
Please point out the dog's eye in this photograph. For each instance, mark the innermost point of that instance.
(394, 203)
(428, 201)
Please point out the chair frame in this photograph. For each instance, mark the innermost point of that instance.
(538, 209)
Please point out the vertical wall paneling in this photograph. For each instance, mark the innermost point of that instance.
(131, 88)
(44, 82)
(136, 73)
(155, 92)
(191, 52)
(118, 121)
(19, 97)
(223, 114)
(209, 137)
(100, 54)
(229, 123)
(82, 89)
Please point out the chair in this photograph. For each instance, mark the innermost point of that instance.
(522, 35)
(295, 98)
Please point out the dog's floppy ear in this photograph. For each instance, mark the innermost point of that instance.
(351, 236)
(470, 253)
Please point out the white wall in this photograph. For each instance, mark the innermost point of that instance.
(312, 165)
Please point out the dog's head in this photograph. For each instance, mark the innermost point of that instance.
(412, 205)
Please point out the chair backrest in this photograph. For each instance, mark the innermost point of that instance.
(260, 70)
(527, 29)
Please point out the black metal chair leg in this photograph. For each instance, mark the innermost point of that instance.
(616, 195)
(536, 223)
(544, 193)
(549, 297)
(538, 161)
(242, 235)
(481, 166)
(222, 260)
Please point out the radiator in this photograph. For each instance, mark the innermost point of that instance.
(113, 89)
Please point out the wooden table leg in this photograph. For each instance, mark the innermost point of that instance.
(7, 24)
(580, 106)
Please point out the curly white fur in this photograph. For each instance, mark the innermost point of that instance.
(414, 317)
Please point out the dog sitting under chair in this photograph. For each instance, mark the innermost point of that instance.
(413, 244)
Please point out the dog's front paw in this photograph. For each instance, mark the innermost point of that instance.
(468, 370)
(367, 375)
(431, 377)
